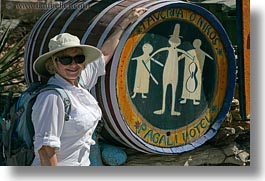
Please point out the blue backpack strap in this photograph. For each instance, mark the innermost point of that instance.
(64, 96)
(81, 82)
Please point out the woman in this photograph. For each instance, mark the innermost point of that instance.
(67, 143)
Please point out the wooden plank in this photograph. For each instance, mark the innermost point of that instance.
(244, 57)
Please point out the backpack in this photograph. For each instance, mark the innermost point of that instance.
(17, 126)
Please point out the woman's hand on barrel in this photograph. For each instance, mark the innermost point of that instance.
(135, 14)
(111, 43)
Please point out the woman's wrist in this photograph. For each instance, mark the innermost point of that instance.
(124, 24)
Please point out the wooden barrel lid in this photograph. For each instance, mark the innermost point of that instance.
(172, 79)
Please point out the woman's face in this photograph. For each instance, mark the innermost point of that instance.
(71, 71)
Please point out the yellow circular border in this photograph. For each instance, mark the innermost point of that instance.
(135, 121)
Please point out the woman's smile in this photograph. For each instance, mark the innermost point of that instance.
(70, 72)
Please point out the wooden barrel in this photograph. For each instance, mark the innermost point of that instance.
(171, 80)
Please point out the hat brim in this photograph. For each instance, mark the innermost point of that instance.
(91, 53)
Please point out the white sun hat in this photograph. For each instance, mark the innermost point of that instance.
(59, 43)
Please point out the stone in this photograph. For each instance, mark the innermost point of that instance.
(112, 155)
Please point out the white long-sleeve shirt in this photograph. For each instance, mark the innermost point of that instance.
(71, 138)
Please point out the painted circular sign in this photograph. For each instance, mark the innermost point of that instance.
(174, 80)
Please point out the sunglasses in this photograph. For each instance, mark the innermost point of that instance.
(67, 60)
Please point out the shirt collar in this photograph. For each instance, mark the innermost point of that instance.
(60, 81)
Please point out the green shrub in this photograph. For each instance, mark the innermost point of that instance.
(11, 65)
